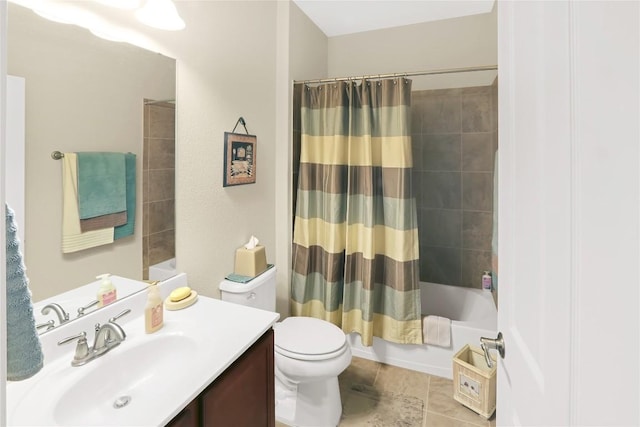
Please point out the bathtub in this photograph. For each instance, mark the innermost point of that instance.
(163, 270)
(472, 312)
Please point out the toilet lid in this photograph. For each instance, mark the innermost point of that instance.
(308, 336)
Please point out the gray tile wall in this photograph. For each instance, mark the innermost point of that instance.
(454, 140)
(158, 185)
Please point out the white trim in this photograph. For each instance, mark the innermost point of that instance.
(283, 199)
(506, 167)
(638, 262)
(574, 288)
(3, 287)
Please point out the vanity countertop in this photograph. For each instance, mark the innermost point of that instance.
(216, 333)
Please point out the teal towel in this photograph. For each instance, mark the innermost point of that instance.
(239, 278)
(101, 184)
(24, 351)
(127, 229)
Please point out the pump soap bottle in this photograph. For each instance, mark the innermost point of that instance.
(153, 311)
(107, 292)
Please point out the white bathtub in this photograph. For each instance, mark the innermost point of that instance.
(163, 270)
(472, 312)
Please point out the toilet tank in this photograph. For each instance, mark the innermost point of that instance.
(259, 292)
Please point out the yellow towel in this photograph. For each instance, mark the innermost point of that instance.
(73, 239)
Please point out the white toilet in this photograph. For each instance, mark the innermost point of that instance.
(309, 355)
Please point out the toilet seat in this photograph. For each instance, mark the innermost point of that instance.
(307, 338)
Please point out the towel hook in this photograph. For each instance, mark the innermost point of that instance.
(57, 155)
(243, 123)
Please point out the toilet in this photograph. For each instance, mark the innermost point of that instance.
(309, 355)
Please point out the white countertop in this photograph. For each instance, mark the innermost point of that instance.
(223, 332)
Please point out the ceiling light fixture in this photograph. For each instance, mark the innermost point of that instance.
(121, 4)
(161, 14)
(62, 13)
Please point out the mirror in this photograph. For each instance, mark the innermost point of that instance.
(84, 93)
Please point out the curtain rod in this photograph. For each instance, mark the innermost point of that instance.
(412, 73)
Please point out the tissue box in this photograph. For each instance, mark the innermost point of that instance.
(250, 262)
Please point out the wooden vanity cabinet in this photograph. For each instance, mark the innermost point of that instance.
(242, 396)
(188, 417)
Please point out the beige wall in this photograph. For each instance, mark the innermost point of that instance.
(303, 54)
(309, 48)
(234, 59)
(226, 68)
(468, 41)
(230, 61)
(82, 94)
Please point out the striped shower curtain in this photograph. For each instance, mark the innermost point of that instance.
(355, 244)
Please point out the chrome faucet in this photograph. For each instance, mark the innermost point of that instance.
(63, 316)
(107, 337)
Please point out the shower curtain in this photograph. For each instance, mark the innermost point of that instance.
(355, 243)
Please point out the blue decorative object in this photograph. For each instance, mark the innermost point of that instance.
(24, 351)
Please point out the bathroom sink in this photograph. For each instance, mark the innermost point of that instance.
(109, 390)
(127, 378)
(148, 378)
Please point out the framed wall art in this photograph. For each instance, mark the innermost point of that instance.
(239, 159)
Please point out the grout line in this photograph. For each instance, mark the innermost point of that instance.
(462, 207)
(426, 403)
(375, 379)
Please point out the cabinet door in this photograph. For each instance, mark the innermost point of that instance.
(244, 395)
(188, 417)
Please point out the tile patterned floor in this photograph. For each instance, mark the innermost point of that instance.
(378, 395)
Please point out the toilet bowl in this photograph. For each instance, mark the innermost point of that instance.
(309, 354)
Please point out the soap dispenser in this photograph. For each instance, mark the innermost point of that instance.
(153, 311)
(107, 292)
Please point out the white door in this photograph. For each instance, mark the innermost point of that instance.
(534, 213)
(3, 121)
(568, 213)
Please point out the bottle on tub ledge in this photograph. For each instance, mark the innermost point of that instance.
(486, 281)
(107, 292)
(153, 311)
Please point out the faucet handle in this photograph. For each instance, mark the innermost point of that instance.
(82, 349)
(119, 315)
(49, 325)
(79, 337)
(86, 307)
